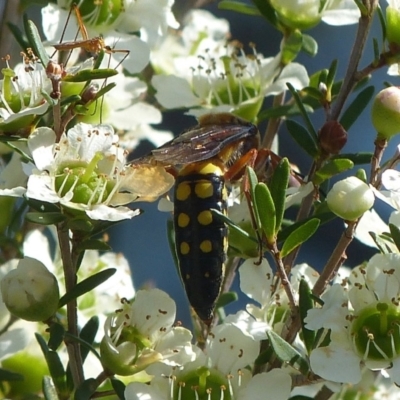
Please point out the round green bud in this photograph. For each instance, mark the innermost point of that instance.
(298, 15)
(393, 26)
(30, 291)
(350, 198)
(385, 112)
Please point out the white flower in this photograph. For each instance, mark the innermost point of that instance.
(142, 333)
(305, 14)
(202, 70)
(257, 281)
(363, 322)
(21, 97)
(86, 171)
(350, 198)
(218, 373)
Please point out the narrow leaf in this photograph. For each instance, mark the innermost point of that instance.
(90, 74)
(332, 168)
(310, 45)
(357, 107)
(88, 334)
(267, 11)
(239, 7)
(331, 74)
(304, 114)
(278, 185)
(49, 389)
(395, 232)
(226, 298)
(6, 375)
(306, 303)
(286, 353)
(299, 236)
(119, 388)
(86, 286)
(49, 218)
(57, 371)
(86, 389)
(265, 208)
(302, 137)
(283, 111)
(357, 158)
(35, 41)
(57, 333)
(19, 36)
(94, 244)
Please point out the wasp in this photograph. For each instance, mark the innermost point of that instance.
(205, 158)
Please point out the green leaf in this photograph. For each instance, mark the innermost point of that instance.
(278, 185)
(90, 74)
(19, 36)
(302, 137)
(232, 225)
(299, 236)
(306, 303)
(80, 224)
(57, 333)
(49, 389)
(267, 11)
(104, 90)
(6, 375)
(47, 218)
(265, 208)
(286, 353)
(42, 206)
(35, 41)
(94, 244)
(332, 168)
(395, 232)
(119, 388)
(330, 79)
(357, 107)
(239, 7)
(283, 111)
(382, 21)
(357, 158)
(54, 364)
(291, 47)
(310, 127)
(88, 334)
(86, 286)
(86, 389)
(226, 298)
(310, 45)
(314, 93)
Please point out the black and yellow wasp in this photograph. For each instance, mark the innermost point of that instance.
(204, 158)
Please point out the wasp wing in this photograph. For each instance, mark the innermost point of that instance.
(201, 143)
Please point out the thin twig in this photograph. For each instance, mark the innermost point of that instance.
(73, 348)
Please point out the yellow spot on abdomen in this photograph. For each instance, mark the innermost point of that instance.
(182, 191)
(183, 220)
(206, 246)
(204, 189)
(205, 217)
(184, 248)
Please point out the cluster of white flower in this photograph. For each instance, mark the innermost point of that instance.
(64, 143)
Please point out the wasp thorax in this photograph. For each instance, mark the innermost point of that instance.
(83, 182)
(376, 334)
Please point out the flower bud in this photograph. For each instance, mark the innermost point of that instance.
(298, 15)
(30, 291)
(350, 198)
(393, 27)
(332, 137)
(385, 112)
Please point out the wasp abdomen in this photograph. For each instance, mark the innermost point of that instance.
(201, 238)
